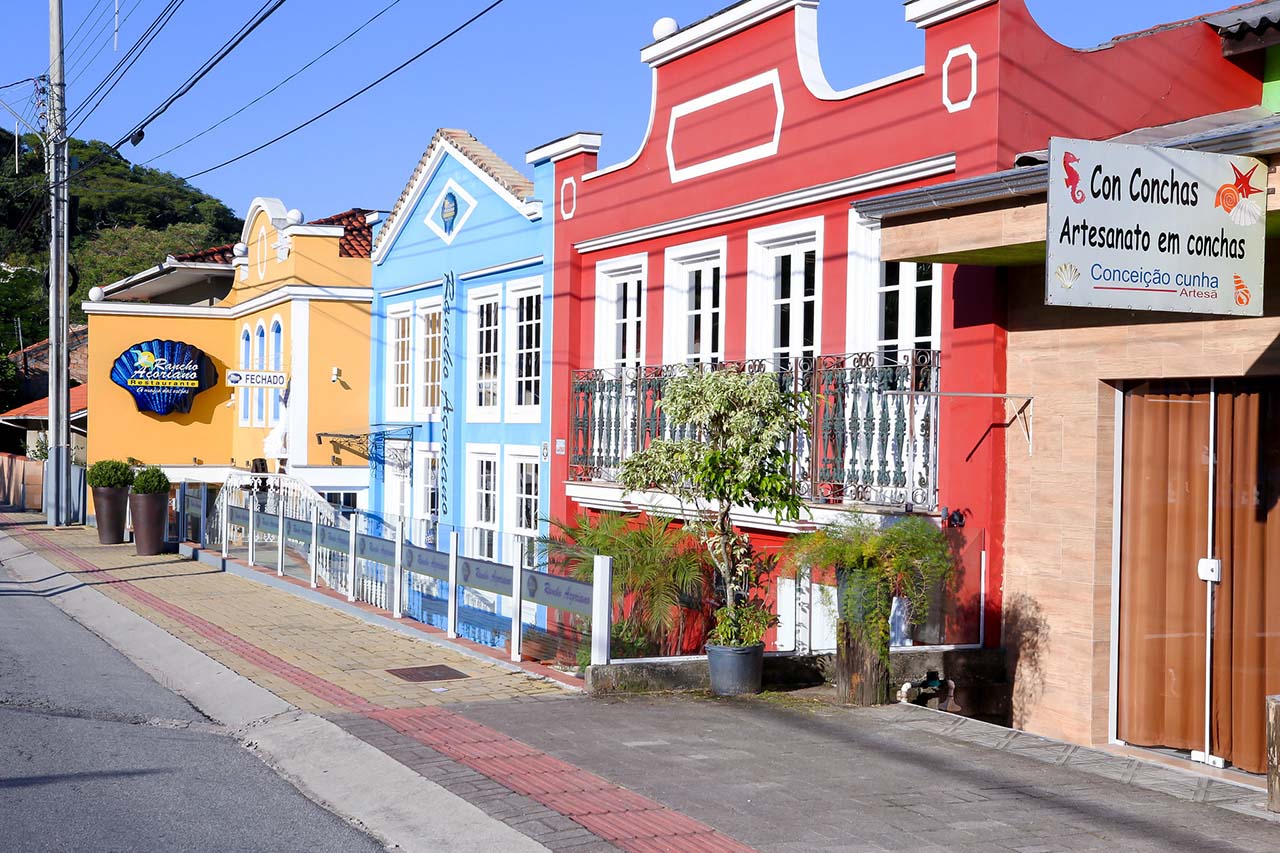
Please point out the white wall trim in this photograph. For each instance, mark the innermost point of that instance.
(918, 170)
(761, 245)
(316, 292)
(815, 79)
(299, 382)
(583, 142)
(450, 186)
(770, 79)
(313, 231)
(926, 13)
(394, 313)
(716, 28)
(644, 141)
(863, 276)
(952, 105)
(421, 308)
(605, 306)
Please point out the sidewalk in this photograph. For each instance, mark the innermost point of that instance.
(666, 773)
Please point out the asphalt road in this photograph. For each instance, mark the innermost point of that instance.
(95, 755)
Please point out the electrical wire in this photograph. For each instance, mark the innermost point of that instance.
(268, 92)
(86, 66)
(486, 10)
(108, 83)
(69, 48)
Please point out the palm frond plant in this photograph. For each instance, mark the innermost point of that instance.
(660, 579)
(908, 560)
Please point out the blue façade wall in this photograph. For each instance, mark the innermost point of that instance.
(495, 240)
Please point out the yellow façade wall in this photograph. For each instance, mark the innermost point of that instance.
(339, 338)
(120, 431)
(311, 260)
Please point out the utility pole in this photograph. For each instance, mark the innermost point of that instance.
(58, 467)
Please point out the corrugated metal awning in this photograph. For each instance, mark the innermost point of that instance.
(1243, 19)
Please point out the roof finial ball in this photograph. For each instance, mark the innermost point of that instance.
(294, 217)
(240, 250)
(664, 27)
(97, 294)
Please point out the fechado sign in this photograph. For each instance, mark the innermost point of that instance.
(1154, 229)
(256, 379)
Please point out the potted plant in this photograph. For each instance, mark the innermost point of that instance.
(149, 506)
(110, 480)
(739, 433)
(909, 559)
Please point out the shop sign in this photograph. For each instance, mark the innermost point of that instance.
(164, 376)
(256, 379)
(1155, 229)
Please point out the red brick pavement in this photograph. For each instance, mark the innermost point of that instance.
(622, 817)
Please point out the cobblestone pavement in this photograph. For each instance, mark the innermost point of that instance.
(668, 773)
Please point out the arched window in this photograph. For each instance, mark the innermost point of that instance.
(242, 397)
(277, 363)
(260, 363)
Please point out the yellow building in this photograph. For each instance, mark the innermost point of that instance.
(279, 324)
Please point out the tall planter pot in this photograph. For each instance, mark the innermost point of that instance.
(735, 670)
(108, 510)
(149, 514)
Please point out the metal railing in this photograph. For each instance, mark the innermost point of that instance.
(872, 434)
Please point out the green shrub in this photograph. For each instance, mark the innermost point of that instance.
(110, 474)
(151, 481)
(743, 625)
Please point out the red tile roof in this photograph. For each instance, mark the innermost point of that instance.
(357, 234)
(507, 176)
(39, 409)
(212, 255)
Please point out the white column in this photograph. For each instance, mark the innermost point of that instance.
(313, 551)
(253, 517)
(517, 601)
(280, 534)
(452, 608)
(601, 609)
(351, 556)
(862, 323)
(397, 579)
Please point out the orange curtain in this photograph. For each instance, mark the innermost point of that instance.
(1246, 615)
(1164, 528)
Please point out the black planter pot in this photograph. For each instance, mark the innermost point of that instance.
(735, 670)
(108, 511)
(149, 515)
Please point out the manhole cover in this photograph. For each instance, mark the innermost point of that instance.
(439, 672)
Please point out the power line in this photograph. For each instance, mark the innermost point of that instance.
(88, 41)
(353, 96)
(19, 82)
(80, 69)
(126, 62)
(256, 100)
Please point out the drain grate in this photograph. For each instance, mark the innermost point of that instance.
(439, 672)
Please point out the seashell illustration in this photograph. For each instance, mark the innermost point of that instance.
(163, 376)
(1067, 275)
(1227, 198)
(1242, 291)
(1246, 212)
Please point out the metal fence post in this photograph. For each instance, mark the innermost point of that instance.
(313, 551)
(451, 618)
(517, 602)
(280, 535)
(182, 512)
(351, 557)
(252, 532)
(601, 609)
(204, 516)
(397, 590)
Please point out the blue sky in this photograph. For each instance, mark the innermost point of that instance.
(527, 73)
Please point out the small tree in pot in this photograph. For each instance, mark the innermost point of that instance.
(110, 480)
(739, 430)
(149, 505)
(907, 559)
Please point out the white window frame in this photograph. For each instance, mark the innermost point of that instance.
(517, 455)
(277, 364)
(475, 454)
(426, 485)
(476, 298)
(396, 412)
(763, 247)
(244, 399)
(908, 283)
(260, 363)
(518, 289)
(611, 275)
(393, 478)
(680, 261)
(424, 308)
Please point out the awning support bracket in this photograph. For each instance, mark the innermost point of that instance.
(1024, 413)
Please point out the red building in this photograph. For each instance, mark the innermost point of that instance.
(729, 236)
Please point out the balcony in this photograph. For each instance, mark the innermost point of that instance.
(873, 424)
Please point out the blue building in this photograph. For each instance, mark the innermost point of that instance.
(460, 384)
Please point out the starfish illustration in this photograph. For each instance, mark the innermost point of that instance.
(1243, 181)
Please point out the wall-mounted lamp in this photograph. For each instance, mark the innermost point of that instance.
(196, 461)
(952, 518)
(335, 374)
(231, 401)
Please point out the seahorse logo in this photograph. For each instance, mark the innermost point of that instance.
(1242, 291)
(1073, 177)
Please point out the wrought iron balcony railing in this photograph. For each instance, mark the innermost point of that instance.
(872, 435)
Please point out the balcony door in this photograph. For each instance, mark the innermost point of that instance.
(1199, 596)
